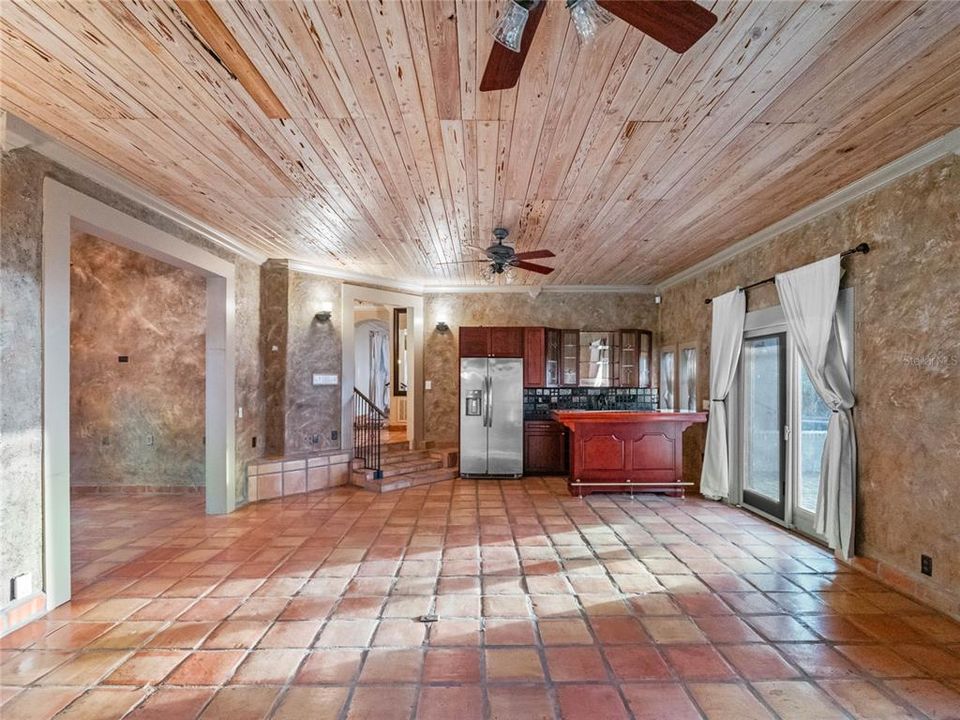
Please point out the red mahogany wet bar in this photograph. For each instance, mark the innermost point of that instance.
(620, 451)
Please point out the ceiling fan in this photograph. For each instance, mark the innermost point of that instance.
(503, 260)
(678, 24)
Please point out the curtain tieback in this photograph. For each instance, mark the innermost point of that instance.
(717, 399)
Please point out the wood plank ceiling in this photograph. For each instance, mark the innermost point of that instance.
(629, 161)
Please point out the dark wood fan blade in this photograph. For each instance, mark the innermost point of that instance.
(504, 65)
(533, 267)
(534, 255)
(678, 24)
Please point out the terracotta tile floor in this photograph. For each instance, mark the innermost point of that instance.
(546, 605)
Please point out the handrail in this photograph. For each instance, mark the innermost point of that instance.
(371, 403)
(368, 421)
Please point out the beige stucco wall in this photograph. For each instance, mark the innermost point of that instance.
(907, 355)
(140, 422)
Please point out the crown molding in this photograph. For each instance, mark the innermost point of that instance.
(534, 290)
(22, 134)
(426, 289)
(309, 268)
(924, 155)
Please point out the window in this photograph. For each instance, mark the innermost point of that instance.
(688, 377)
(668, 379)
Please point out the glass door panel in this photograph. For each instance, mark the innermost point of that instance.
(763, 423)
(814, 418)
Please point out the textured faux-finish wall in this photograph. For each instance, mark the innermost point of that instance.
(140, 422)
(312, 412)
(907, 361)
(21, 430)
(578, 311)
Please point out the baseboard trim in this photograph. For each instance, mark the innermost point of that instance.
(82, 490)
(21, 612)
(913, 587)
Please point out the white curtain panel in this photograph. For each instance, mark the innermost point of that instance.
(726, 341)
(379, 369)
(808, 296)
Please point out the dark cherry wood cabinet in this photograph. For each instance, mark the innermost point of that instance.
(502, 342)
(570, 358)
(612, 451)
(551, 374)
(545, 447)
(534, 356)
(632, 358)
(474, 342)
(506, 342)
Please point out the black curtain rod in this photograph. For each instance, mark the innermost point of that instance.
(861, 248)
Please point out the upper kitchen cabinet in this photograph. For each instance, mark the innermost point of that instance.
(596, 359)
(500, 342)
(506, 342)
(551, 377)
(569, 358)
(474, 342)
(534, 356)
(634, 348)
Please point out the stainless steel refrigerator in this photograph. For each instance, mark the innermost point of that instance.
(491, 417)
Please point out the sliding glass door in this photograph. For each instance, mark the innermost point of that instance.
(778, 423)
(811, 418)
(763, 416)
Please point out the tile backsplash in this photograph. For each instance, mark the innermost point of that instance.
(539, 402)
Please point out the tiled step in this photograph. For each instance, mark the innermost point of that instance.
(408, 480)
(402, 467)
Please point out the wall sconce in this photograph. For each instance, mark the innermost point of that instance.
(442, 327)
(325, 313)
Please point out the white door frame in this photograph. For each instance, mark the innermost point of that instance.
(414, 306)
(66, 212)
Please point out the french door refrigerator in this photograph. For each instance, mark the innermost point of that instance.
(491, 417)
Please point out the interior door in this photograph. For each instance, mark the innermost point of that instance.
(763, 417)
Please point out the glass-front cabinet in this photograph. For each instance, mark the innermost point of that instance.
(596, 359)
(552, 366)
(569, 358)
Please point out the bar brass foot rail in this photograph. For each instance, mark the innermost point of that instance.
(368, 421)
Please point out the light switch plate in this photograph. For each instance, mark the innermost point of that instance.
(428, 384)
(22, 586)
(322, 379)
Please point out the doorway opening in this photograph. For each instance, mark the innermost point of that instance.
(68, 214)
(382, 359)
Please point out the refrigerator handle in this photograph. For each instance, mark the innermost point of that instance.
(486, 401)
(490, 402)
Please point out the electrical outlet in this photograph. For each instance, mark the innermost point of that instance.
(334, 434)
(314, 439)
(150, 440)
(926, 565)
(253, 442)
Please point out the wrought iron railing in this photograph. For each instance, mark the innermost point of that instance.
(368, 422)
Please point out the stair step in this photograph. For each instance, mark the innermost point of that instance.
(414, 479)
(398, 469)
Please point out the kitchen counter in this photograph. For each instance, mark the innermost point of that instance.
(626, 451)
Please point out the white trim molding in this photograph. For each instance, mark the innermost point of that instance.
(66, 212)
(931, 152)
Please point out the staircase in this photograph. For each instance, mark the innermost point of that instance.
(401, 467)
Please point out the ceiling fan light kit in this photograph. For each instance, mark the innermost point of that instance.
(588, 18)
(678, 24)
(508, 29)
